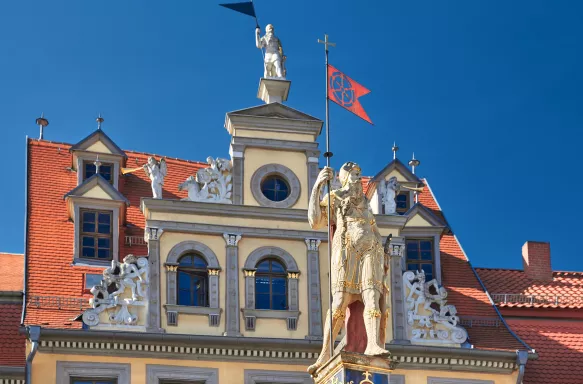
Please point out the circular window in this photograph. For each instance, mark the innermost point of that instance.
(275, 188)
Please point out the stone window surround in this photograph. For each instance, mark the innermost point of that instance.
(420, 233)
(287, 174)
(104, 205)
(446, 380)
(213, 311)
(257, 376)
(82, 156)
(68, 369)
(249, 312)
(155, 373)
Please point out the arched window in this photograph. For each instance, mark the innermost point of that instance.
(271, 285)
(192, 281)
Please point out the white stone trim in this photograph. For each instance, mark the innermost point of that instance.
(155, 373)
(68, 369)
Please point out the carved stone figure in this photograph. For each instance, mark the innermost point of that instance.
(127, 282)
(388, 191)
(274, 60)
(359, 263)
(430, 319)
(212, 184)
(156, 171)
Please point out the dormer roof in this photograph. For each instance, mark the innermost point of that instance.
(97, 187)
(98, 141)
(397, 165)
(421, 216)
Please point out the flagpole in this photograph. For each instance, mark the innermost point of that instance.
(328, 155)
(257, 26)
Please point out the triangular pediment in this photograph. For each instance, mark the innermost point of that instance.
(274, 110)
(398, 169)
(421, 216)
(98, 142)
(98, 188)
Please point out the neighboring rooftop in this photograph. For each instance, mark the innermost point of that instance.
(11, 271)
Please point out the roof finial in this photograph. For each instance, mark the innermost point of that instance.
(99, 121)
(414, 163)
(395, 149)
(97, 165)
(42, 123)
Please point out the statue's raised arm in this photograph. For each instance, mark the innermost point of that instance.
(316, 217)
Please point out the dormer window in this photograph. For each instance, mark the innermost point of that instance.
(96, 234)
(420, 257)
(402, 200)
(105, 170)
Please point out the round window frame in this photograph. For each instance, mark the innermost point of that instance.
(276, 176)
(278, 170)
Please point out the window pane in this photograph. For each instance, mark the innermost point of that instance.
(105, 171)
(103, 253)
(199, 262)
(104, 228)
(412, 254)
(428, 269)
(279, 302)
(262, 301)
(104, 218)
(426, 255)
(198, 288)
(278, 285)
(277, 267)
(263, 266)
(91, 280)
(412, 245)
(262, 285)
(184, 297)
(103, 243)
(89, 170)
(88, 227)
(186, 261)
(88, 252)
(89, 217)
(413, 267)
(426, 245)
(88, 241)
(183, 280)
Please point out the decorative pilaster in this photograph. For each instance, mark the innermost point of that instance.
(313, 167)
(315, 331)
(237, 159)
(397, 250)
(152, 237)
(232, 307)
(171, 270)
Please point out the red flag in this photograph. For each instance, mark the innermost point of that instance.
(345, 92)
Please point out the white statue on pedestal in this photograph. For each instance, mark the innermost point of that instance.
(388, 191)
(156, 171)
(274, 57)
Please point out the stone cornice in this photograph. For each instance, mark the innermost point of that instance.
(11, 297)
(290, 351)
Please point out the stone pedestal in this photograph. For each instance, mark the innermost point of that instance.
(356, 368)
(273, 90)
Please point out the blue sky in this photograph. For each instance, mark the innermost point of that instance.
(487, 93)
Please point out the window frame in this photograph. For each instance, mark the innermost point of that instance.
(80, 157)
(271, 275)
(85, 289)
(420, 261)
(193, 271)
(157, 374)
(93, 380)
(67, 369)
(276, 179)
(433, 233)
(283, 172)
(96, 235)
(86, 162)
(402, 211)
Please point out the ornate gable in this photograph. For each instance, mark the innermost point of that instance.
(421, 216)
(98, 142)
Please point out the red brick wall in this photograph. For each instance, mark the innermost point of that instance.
(536, 259)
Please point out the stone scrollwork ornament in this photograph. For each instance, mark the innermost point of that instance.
(430, 319)
(124, 285)
(212, 184)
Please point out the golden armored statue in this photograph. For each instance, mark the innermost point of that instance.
(359, 267)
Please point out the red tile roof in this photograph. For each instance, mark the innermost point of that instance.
(11, 271)
(559, 345)
(565, 290)
(12, 343)
(51, 233)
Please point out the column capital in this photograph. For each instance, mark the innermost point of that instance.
(152, 234)
(232, 239)
(313, 244)
(397, 247)
(171, 267)
(249, 272)
(214, 272)
(293, 275)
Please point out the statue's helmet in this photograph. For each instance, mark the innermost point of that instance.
(269, 28)
(344, 173)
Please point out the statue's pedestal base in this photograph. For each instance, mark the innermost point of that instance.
(273, 90)
(349, 367)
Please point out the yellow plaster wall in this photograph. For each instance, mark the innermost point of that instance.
(187, 323)
(231, 221)
(396, 173)
(258, 157)
(44, 369)
(98, 146)
(98, 193)
(418, 221)
(276, 328)
(273, 135)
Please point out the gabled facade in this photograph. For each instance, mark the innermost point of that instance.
(223, 280)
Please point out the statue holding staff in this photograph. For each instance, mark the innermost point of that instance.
(274, 57)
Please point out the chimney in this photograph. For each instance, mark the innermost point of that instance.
(536, 259)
